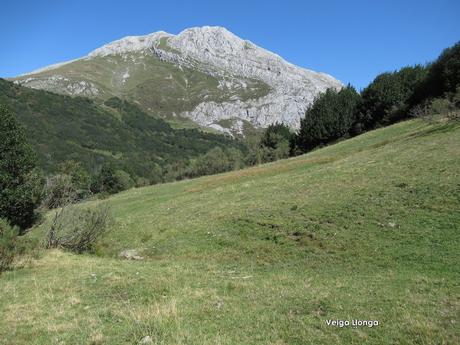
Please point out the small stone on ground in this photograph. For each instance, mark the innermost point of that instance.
(130, 254)
(146, 340)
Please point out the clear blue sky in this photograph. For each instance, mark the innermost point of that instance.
(351, 40)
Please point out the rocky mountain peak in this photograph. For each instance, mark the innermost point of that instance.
(208, 38)
(236, 82)
(129, 44)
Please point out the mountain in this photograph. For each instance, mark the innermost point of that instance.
(205, 74)
(64, 128)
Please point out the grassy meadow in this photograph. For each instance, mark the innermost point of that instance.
(364, 229)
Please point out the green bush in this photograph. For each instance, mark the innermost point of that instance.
(274, 135)
(59, 190)
(124, 180)
(78, 229)
(79, 177)
(111, 181)
(441, 106)
(8, 244)
(437, 108)
(214, 161)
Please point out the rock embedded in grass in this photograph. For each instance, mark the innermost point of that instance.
(130, 254)
(146, 340)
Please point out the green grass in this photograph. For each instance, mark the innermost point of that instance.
(367, 229)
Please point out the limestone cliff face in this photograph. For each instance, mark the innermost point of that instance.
(248, 83)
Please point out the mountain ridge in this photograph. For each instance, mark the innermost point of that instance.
(227, 78)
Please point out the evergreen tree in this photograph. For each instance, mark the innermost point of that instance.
(110, 180)
(329, 118)
(385, 100)
(443, 77)
(19, 182)
(274, 135)
(274, 143)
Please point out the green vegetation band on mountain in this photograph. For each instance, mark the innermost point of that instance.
(63, 128)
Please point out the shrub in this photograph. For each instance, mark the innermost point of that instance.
(58, 191)
(8, 244)
(235, 158)
(429, 110)
(79, 177)
(420, 111)
(213, 162)
(124, 180)
(111, 181)
(78, 229)
(441, 106)
(274, 135)
(142, 182)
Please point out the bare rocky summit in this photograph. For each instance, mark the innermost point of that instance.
(206, 74)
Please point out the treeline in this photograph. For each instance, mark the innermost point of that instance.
(272, 144)
(393, 96)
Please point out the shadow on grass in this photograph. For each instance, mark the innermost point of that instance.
(447, 127)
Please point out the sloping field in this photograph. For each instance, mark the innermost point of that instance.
(365, 229)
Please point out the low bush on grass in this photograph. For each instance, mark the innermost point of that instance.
(8, 244)
(78, 229)
(58, 191)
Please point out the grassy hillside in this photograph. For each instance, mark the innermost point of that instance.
(62, 128)
(364, 229)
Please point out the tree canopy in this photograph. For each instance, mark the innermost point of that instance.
(330, 117)
(18, 178)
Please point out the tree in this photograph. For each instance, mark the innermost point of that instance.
(443, 77)
(329, 118)
(274, 143)
(275, 134)
(19, 180)
(111, 181)
(124, 180)
(385, 100)
(213, 162)
(79, 177)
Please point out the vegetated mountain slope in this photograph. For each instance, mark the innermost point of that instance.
(365, 229)
(62, 128)
(206, 74)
